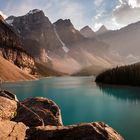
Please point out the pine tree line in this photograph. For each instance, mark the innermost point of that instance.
(123, 75)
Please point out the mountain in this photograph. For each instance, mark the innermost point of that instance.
(102, 30)
(87, 32)
(10, 72)
(59, 43)
(67, 32)
(125, 42)
(11, 49)
(84, 50)
(37, 33)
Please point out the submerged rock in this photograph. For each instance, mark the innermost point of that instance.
(8, 105)
(38, 111)
(87, 131)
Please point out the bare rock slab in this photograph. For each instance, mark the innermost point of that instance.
(87, 131)
(8, 105)
(12, 131)
(38, 111)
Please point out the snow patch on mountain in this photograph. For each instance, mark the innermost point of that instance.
(9, 21)
(33, 11)
(64, 47)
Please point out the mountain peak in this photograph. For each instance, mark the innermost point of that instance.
(87, 32)
(65, 22)
(34, 11)
(102, 30)
(86, 28)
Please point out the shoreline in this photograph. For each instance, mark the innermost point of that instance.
(114, 85)
(96, 83)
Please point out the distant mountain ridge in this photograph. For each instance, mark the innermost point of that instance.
(125, 42)
(58, 43)
(87, 32)
(102, 30)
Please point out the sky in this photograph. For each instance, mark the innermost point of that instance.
(114, 14)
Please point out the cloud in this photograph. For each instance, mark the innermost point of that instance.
(128, 12)
(97, 25)
(98, 2)
(68, 10)
(119, 14)
(3, 15)
(134, 3)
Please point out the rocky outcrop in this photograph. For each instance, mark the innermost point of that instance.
(51, 130)
(10, 130)
(68, 34)
(37, 34)
(87, 131)
(10, 72)
(8, 106)
(19, 58)
(38, 111)
(11, 49)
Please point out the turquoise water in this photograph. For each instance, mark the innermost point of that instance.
(81, 100)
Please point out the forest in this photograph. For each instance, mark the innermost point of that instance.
(121, 75)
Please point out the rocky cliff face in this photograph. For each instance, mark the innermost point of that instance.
(10, 72)
(11, 49)
(38, 109)
(67, 32)
(85, 50)
(59, 43)
(37, 34)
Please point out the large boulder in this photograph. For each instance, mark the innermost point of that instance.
(38, 111)
(88, 131)
(8, 105)
(44, 120)
(12, 131)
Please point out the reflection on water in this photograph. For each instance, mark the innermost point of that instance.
(131, 94)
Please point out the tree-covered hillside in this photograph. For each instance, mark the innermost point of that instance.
(123, 75)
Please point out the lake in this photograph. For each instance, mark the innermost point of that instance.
(81, 100)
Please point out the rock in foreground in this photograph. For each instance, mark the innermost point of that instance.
(38, 111)
(12, 131)
(87, 131)
(8, 106)
(44, 120)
